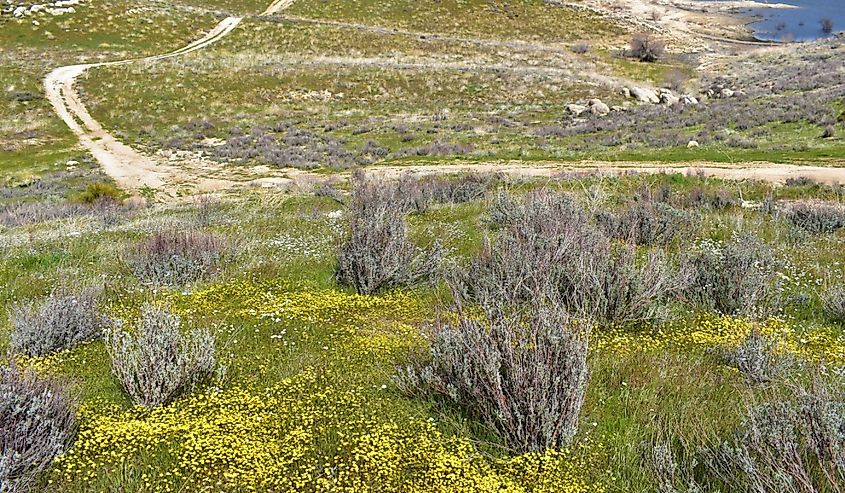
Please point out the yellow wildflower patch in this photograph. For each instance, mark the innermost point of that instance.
(300, 435)
(711, 331)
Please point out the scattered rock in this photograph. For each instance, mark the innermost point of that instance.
(597, 107)
(669, 99)
(644, 95)
(720, 92)
(618, 108)
(576, 109)
(688, 99)
(56, 8)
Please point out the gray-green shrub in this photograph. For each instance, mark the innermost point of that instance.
(756, 358)
(820, 217)
(548, 238)
(378, 253)
(834, 303)
(735, 277)
(645, 223)
(541, 210)
(521, 368)
(174, 258)
(158, 362)
(615, 286)
(37, 424)
(61, 320)
(790, 442)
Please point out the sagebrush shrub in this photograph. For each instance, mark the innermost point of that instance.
(37, 424)
(410, 194)
(60, 321)
(540, 210)
(175, 258)
(378, 253)
(615, 286)
(756, 358)
(818, 217)
(581, 47)
(700, 197)
(520, 368)
(790, 442)
(510, 351)
(737, 277)
(548, 238)
(464, 188)
(20, 214)
(645, 223)
(834, 303)
(157, 361)
(416, 194)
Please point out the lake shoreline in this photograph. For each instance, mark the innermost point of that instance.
(808, 20)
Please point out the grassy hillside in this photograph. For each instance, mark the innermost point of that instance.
(336, 319)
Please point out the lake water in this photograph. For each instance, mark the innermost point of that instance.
(803, 23)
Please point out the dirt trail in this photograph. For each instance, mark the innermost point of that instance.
(776, 173)
(129, 168)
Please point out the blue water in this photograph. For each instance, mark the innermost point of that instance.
(799, 24)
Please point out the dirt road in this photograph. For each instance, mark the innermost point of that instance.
(129, 168)
(762, 171)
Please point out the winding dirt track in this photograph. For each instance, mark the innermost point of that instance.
(129, 168)
(133, 171)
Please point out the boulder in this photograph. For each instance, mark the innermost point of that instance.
(626, 92)
(576, 109)
(688, 99)
(597, 107)
(726, 93)
(692, 144)
(644, 95)
(19, 12)
(669, 99)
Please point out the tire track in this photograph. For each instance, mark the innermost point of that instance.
(129, 168)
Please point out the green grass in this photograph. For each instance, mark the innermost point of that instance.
(524, 19)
